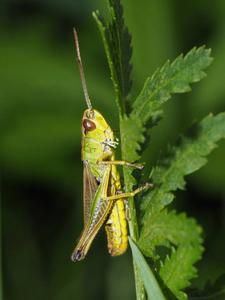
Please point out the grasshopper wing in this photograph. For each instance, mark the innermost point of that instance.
(90, 188)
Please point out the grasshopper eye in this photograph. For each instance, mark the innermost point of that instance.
(89, 125)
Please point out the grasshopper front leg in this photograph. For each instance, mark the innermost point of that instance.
(120, 163)
(102, 160)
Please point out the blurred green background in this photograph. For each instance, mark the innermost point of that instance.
(41, 107)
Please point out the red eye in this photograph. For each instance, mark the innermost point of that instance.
(88, 125)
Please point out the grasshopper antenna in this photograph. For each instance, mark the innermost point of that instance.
(82, 71)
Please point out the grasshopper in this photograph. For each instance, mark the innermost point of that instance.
(103, 200)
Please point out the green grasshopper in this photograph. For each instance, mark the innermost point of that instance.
(102, 195)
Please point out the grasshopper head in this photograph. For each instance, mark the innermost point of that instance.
(94, 126)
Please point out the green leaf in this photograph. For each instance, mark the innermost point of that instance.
(184, 158)
(170, 79)
(131, 135)
(160, 228)
(167, 229)
(164, 229)
(151, 285)
(174, 78)
(178, 270)
(117, 40)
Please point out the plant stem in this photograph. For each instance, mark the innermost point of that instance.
(134, 234)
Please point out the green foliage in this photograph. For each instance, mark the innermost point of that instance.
(186, 157)
(178, 269)
(165, 228)
(117, 41)
(152, 288)
(174, 78)
(160, 227)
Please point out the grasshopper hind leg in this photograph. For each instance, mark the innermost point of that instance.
(77, 255)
